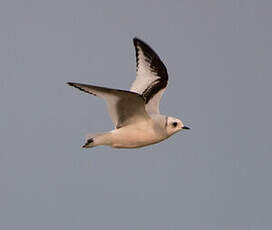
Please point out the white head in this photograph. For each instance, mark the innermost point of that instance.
(174, 125)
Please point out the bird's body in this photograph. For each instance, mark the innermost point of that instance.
(135, 113)
(135, 135)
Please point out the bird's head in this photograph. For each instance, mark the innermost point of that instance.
(174, 125)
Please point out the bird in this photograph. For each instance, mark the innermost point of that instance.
(135, 113)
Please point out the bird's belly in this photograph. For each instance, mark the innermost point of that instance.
(131, 137)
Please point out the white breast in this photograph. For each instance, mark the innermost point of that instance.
(138, 135)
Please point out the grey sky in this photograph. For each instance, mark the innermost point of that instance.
(215, 176)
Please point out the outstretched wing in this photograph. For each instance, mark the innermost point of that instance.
(151, 78)
(124, 107)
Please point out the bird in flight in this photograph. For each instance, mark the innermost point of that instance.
(135, 113)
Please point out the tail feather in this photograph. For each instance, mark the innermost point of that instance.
(90, 140)
(88, 143)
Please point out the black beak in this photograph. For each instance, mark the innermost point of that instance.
(185, 127)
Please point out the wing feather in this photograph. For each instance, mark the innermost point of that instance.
(151, 75)
(124, 107)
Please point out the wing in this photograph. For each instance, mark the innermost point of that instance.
(124, 107)
(151, 78)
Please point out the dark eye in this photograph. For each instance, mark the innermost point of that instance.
(174, 124)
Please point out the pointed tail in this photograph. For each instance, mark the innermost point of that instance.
(92, 140)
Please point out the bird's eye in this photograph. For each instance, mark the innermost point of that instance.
(174, 124)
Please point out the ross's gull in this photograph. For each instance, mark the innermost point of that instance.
(135, 113)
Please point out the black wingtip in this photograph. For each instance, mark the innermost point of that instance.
(135, 39)
(139, 41)
(70, 83)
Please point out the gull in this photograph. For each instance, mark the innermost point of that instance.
(135, 113)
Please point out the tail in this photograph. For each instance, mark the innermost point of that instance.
(91, 140)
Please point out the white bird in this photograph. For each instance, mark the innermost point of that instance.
(135, 113)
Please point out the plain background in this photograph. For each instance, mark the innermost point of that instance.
(215, 176)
